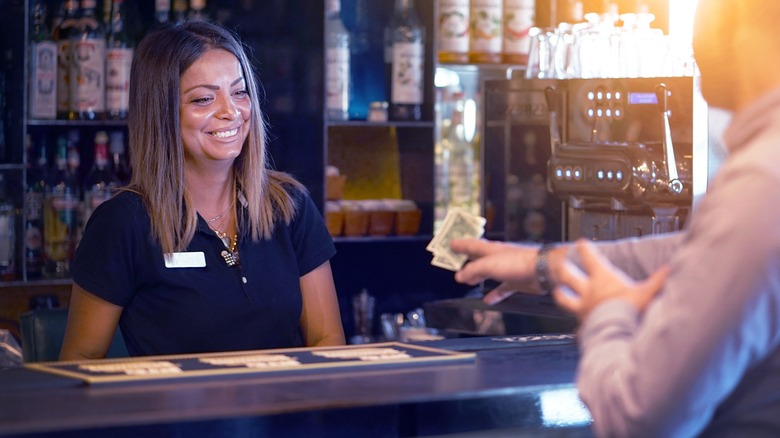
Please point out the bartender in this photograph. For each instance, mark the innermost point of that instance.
(207, 249)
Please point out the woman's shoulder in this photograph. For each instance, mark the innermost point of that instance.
(123, 214)
(127, 205)
(127, 199)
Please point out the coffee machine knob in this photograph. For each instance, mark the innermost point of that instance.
(676, 186)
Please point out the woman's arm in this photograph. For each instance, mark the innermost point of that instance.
(320, 317)
(92, 322)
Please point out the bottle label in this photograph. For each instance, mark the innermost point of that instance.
(461, 180)
(162, 5)
(60, 227)
(33, 206)
(486, 26)
(6, 242)
(454, 26)
(87, 92)
(407, 73)
(332, 6)
(63, 76)
(33, 241)
(33, 236)
(337, 78)
(118, 62)
(518, 21)
(43, 80)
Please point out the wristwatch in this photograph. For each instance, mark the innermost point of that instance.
(542, 268)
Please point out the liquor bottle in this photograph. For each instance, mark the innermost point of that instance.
(101, 183)
(119, 58)
(119, 162)
(367, 79)
(56, 19)
(7, 233)
(162, 10)
(73, 157)
(43, 68)
(37, 175)
(62, 33)
(336, 63)
(486, 34)
(406, 40)
(88, 66)
(458, 161)
(198, 10)
(518, 21)
(454, 31)
(60, 216)
(179, 11)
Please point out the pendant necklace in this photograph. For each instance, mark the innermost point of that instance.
(230, 254)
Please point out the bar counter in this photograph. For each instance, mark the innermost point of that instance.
(515, 386)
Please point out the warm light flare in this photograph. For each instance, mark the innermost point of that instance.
(681, 14)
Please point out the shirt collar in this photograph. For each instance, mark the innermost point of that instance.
(752, 120)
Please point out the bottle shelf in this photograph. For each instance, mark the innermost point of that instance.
(37, 282)
(381, 239)
(363, 123)
(77, 123)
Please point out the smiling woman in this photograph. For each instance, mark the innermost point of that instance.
(208, 249)
(215, 110)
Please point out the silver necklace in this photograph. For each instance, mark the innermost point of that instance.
(217, 217)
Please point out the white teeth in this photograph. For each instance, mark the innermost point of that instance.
(225, 134)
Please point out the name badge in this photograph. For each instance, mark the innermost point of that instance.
(185, 260)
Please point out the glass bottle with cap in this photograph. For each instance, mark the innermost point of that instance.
(336, 63)
(405, 52)
(377, 111)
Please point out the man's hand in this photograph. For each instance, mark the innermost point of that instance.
(512, 264)
(602, 281)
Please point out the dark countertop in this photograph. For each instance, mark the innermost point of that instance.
(518, 385)
(520, 314)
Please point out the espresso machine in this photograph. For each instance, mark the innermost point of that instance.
(621, 156)
(626, 165)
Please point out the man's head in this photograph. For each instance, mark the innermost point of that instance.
(737, 48)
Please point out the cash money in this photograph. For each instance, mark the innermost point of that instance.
(457, 224)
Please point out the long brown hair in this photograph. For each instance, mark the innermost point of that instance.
(156, 149)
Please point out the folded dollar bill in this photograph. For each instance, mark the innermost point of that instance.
(458, 224)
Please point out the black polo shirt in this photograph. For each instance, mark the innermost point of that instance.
(192, 309)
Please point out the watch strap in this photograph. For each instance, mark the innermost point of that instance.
(542, 268)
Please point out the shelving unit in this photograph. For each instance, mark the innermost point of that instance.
(285, 48)
(398, 154)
